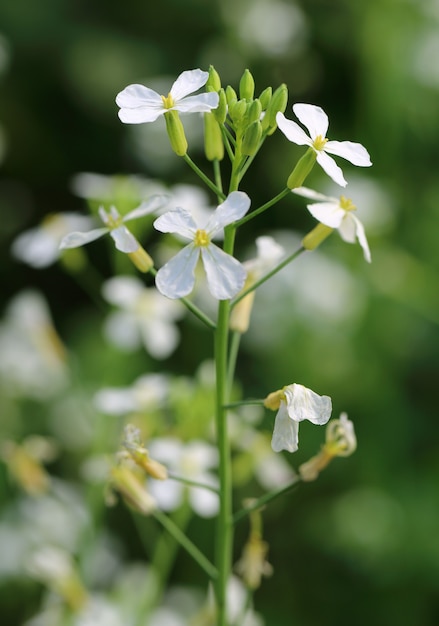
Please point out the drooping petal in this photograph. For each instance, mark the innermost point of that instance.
(351, 229)
(353, 152)
(292, 131)
(176, 221)
(146, 208)
(328, 164)
(202, 103)
(225, 275)
(286, 431)
(313, 118)
(76, 239)
(188, 82)
(313, 195)
(233, 208)
(124, 240)
(177, 277)
(328, 213)
(305, 404)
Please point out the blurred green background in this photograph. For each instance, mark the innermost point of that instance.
(361, 544)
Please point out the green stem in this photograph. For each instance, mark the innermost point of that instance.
(264, 278)
(186, 543)
(268, 497)
(192, 483)
(235, 405)
(203, 177)
(233, 355)
(263, 208)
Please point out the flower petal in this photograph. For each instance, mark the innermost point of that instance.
(355, 153)
(176, 221)
(351, 229)
(225, 275)
(139, 104)
(146, 208)
(328, 213)
(313, 195)
(141, 114)
(76, 239)
(204, 502)
(124, 240)
(328, 164)
(305, 404)
(292, 131)
(233, 208)
(286, 431)
(313, 118)
(177, 278)
(203, 103)
(188, 82)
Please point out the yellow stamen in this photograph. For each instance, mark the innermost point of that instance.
(319, 142)
(346, 204)
(168, 101)
(201, 238)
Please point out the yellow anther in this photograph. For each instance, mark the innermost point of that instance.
(319, 142)
(168, 101)
(201, 238)
(346, 204)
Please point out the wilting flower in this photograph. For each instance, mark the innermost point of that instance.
(139, 104)
(295, 403)
(340, 441)
(316, 121)
(225, 275)
(145, 317)
(337, 213)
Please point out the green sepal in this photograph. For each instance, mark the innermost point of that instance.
(278, 103)
(252, 138)
(220, 112)
(176, 133)
(214, 80)
(213, 140)
(302, 169)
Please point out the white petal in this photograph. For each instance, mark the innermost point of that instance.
(313, 195)
(286, 431)
(141, 115)
(328, 164)
(135, 96)
(355, 153)
(146, 208)
(159, 337)
(328, 213)
(74, 240)
(203, 103)
(120, 328)
(36, 247)
(123, 291)
(233, 208)
(292, 131)
(124, 240)
(177, 278)
(351, 229)
(204, 502)
(176, 221)
(167, 493)
(313, 118)
(305, 404)
(225, 275)
(188, 82)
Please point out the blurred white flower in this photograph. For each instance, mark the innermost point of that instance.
(145, 317)
(146, 393)
(115, 189)
(316, 121)
(39, 246)
(192, 461)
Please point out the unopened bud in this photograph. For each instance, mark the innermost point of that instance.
(252, 138)
(247, 86)
(265, 97)
(254, 111)
(278, 103)
(214, 80)
(220, 113)
(241, 312)
(176, 133)
(231, 95)
(237, 110)
(314, 238)
(213, 140)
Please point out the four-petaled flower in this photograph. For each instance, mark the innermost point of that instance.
(337, 213)
(295, 403)
(225, 275)
(139, 104)
(316, 121)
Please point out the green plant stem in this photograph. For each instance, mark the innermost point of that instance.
(268, 497)
(264, 278)
(233, 355)
(203, 177)
(192, 483)
(263, 208)
(186, 543)
(234, 405)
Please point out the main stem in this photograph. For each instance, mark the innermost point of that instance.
(224, 542)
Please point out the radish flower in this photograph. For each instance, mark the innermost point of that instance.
(316, 121)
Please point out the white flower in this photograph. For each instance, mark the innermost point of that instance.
(115, 225)
(39, 246)
(145, 317)
(192, 461)
(139, 104)
(225, 275)
(297, 403)
(316, 121)
(337, 213)
(145, 394)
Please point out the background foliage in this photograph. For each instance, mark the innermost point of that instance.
(361, 544)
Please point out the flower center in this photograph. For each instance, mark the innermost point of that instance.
(168, 101)
(319, 142)
(201, 238)
(112, 219)
(346, 204)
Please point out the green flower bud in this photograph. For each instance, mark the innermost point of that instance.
(302, 169)
(246, 86)
(213, 140)
(278, 103)
(314, 238)
(254, 111)
(265, 97)
(231, 95)
(176, 134)
(237, 110)
(252, 138)
(220, 112)
(214, 80)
